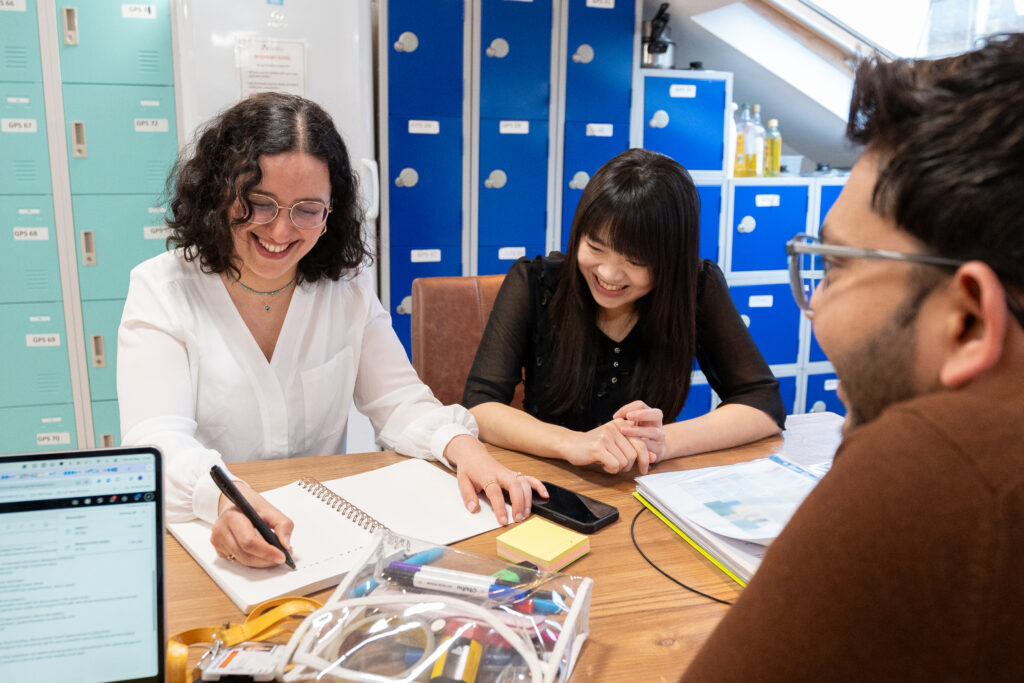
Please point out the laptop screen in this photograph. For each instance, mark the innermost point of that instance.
(81, 566)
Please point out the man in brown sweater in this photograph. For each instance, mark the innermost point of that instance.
(907, 560)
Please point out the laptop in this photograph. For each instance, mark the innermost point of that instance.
(81, 566)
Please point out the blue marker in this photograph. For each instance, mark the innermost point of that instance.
(424, 557)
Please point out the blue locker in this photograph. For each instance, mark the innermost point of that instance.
(599, 66)
(36, 370)
(710, 220)
(29, 270)
(425, 199)
(425, 58)
(787, 388)
(38, 428)
(100, 320)
(828, 196)
(112, 42)
(106, 424)
(684, 118)
(821, 394)
(773, 319)
(409, 263)
(121, 138)
(19, 36)
(698, 402)
(515, 59)
(25, 161)
(513, 182)
(587, 147)
(113, 234)
(764, 218)
(497, 260)
(815, 354)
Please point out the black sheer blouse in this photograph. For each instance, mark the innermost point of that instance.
(517, 344)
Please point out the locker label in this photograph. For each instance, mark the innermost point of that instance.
(138, 11)
(151, 126)
(51, 420)
(761, 301)
(687, 90)
(31, 234)
(28, 212)
(156, 209)
(601, 4)
(53, 439)
(766, 200)
(831, 384)
(514, 127)
(425, 256)
(424, 127)
(149, 103)
(18, 125)
(32, 340)
(511, 253)
(12, 5)
(600, 130)
(18, 100)
(155, 232)
(39, 318)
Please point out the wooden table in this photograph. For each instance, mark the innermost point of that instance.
(643, 627)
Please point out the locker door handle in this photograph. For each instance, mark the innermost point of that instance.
(747, 224)
(659, 120)
(407, 42)
(584, 54)
(88, 248)
(498, 48)
(746, 319)
(106, 440)
(70, 16)
(579, 180)
(78, 148)
(99, 351)
(496, 180)
(407, 178)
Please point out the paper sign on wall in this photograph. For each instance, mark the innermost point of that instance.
(271, 64)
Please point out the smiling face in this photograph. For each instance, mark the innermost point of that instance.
(267, 255)
(615, 282)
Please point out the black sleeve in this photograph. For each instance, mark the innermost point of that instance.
(498, 365)
(730, 360)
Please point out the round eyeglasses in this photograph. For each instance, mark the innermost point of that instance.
(306, 215)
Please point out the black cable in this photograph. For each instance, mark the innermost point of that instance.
(632, 534)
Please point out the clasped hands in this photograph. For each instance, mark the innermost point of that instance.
(635, 435)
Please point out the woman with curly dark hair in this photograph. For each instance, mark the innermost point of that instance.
(254, 336)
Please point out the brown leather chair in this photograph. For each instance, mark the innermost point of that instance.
(448, 319)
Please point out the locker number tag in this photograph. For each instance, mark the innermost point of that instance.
(18, 125)
(424, 127)
(601, 4)
(766, 200)
(511, 253)
(151, 126)
(31, 234)
(831, 384)
(687, 90)
(761, 301)
(514, 127)
(600, 130)
(138, 11)
(32, 340)
(155, 232)
(425, 256)
(53, 439)
(12, 5)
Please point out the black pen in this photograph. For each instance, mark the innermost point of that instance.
(229, 489)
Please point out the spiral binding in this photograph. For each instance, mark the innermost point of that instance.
(350, 511)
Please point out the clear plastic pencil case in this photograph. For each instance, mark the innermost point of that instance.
(412, 611)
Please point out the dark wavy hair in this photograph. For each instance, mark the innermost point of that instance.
(222, 166)
(645, 206)
(950, 137)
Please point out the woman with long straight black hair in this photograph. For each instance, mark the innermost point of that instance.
(605, 337)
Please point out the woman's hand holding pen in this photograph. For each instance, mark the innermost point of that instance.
(478, 471)
(608, 447)
(237, 539)
(640, 421)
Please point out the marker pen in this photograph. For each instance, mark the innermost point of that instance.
(463, 583)
(479, 579)
(423, 557)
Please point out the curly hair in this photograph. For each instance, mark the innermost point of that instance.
(222, 166)
(950, 137)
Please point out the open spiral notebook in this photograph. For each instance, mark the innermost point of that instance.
(333, 522)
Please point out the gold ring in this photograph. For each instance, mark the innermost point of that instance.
(517, 475)
(230, 558)
(492, 481)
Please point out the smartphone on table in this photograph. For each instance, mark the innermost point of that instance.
(574, 510)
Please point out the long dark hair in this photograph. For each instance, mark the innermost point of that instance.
(645, 206)
(222, 166)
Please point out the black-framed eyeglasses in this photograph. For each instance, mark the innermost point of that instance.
(809, 265)
(305, 215)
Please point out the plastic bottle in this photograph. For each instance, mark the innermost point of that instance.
(753, 144)
(772, 149)
(730, 141)
(744, 130)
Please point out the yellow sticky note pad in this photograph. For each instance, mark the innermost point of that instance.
(546, 544)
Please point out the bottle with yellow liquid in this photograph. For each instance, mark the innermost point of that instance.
(744, 130)
(772, 149)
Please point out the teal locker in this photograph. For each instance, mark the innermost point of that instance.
(38, 428)
(112, 42)
(121, 138)
(25, 161)
(34, 341)
(28, 250)
(100, 320)
(106, 424)
(113, 234)
(19, 35)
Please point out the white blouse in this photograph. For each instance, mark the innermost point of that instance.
(192, 381)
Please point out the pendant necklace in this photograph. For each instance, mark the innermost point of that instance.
(266, 307)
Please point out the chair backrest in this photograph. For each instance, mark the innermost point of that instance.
(448, 319)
